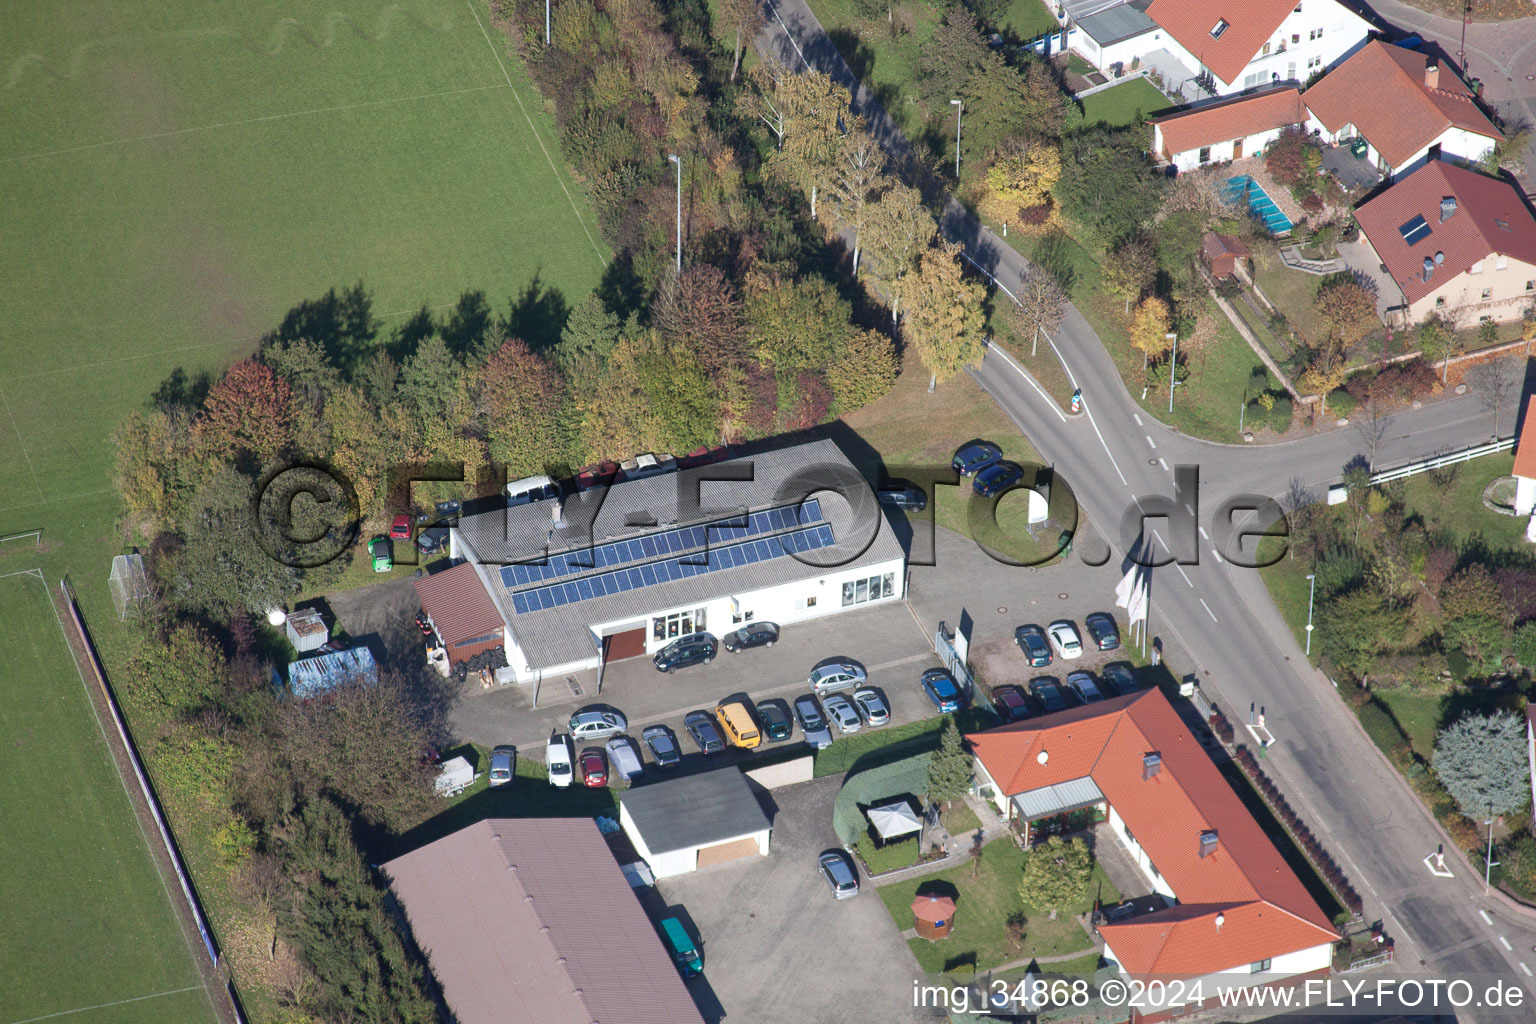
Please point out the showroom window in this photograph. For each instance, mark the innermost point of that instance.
(668, 627)
(870, 588)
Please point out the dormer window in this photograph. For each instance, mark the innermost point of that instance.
(1221, 27)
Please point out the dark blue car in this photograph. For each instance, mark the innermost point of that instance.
(997, 478)
(974, 457)
(941, 688)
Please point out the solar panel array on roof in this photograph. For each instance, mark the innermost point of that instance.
(661, 544)
(1415, 230)
(652, 573)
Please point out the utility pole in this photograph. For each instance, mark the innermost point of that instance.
(1173, 367)
(1489, 862)
(673, 157)
(1310, 594)
(546, 22)
(958, 108)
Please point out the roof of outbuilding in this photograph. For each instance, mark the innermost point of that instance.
(1168, 812)
(458, 604)
(1250, 24)
(1490, 218)
(1236, 118)
(530, 921)
(695, 810)
(1381, 91)
(1214, 244)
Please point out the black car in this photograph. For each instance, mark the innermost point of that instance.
(1031, 640)
(774, 716)
(432, 540)
(1120, 677)
(693, 649)
(975, 456)
(445, 513)
(659, 740)
(1048, 692)
(907, 497)
(754, 634)
(1101, 626)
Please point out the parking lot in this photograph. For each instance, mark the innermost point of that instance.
(778, 949)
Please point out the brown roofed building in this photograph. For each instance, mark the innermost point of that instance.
(1456, 243)
(530, 921)
(1227, 129)
(1409, 109)
(1220, 253)
(462, 613)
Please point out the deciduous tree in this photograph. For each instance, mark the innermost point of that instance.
(944, 322)
(249, 410)
(1353, 629)
(795, 325)
(1480, 760)
(1150, 327)
(701, 311)
(859, 174)
(1056, 875)
(897, 228)
(865, 372)
(1039, 306)
(1020, 178)
(518, 396)
(740, 20)
(807, 114)
(1130, 268)
(1348, 308)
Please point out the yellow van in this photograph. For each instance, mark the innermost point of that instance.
(737, 721)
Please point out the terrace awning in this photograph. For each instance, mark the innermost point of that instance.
(1057, 799)
(894, 819)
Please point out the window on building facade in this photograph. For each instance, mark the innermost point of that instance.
(1439, 301)
(1530, 286)
(1487, 293)
(810, 602)
(1205, 154)
(1316, 33)
(1264, 52)
(1314, 62)
(1262, 965)
(666, 627)
(872, 588)
(1295, 37)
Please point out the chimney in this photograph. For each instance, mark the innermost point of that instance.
(555, 508)
(1151, 764)
(1432, 74)
(1221, 919)
(1447, 208)
(1429, 269)
(1207, 842)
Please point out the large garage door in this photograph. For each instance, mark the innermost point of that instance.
(629, 644)
(736, 850)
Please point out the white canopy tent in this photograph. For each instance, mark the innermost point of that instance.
(894, 819)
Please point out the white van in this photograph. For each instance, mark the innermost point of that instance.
(558, 759)
(531, 488)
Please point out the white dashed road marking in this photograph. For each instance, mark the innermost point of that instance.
(1506, 944)
(1486, 919)
(1208, 610)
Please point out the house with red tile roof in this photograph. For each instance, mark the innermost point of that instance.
(1457, 244)
(1233, 907)
(1228, 129)
(1406, 106)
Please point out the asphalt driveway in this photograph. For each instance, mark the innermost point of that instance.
(778, 949)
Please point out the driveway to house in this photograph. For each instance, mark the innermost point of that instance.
(778, 949)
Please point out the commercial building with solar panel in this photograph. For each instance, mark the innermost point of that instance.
(605, 574)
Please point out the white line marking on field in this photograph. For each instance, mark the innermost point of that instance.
(21, 443)
(1208, 610)
(1149, 440)
(1048, 401)
(1506, 944)
(102, 1006)
(1203, 534)
(1486, 919)
(1137, 417)
(1526, 969)
(536, 136)
(250, 120)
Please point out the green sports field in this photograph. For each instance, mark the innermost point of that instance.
(178, 174)
(88, 922)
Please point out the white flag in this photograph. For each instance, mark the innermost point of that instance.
(1136, 608)
(1126, 586)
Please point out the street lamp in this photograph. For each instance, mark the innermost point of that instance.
(1310, 594)
(546, 22)
(679, 163)
(1489, 862)
(958, 108)
(1173, 367)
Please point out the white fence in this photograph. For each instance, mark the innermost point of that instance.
(1445, 459)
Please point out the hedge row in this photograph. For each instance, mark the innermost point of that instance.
(1222, 728)
(1310, 844)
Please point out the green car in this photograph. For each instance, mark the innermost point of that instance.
(378, 550)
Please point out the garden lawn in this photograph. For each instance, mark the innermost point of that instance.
(87, 917)
(1459, 507)
(1121, 105)
(1418, 714)
(982, 908)
(1294, 294)
(1029, 19)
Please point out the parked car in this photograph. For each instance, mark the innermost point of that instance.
(594, 768)
(447, 512)
(841, 876)
(904, 496)
(1119, 677)
(558, 760)
(754, 634)
(834, 675)
(432, 540)
(684, 952)
(597, 721)
(1082, 684)
(977, 456)
(400, 527)
(1065, 638)
(701, 726)
(813, 722)
(379, 551)
(693, 649)
(662, 744)
(1031, 640)
(996, 478)
(1048, 692)
(775, 718)
(1102, 628)
(871, 707)
(625, 757)
(842, 713)
(503, 764)
(941, 688)
(1009, 702)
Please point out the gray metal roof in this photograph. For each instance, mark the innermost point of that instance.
(695, 810)
(637, 508)
(1057, 799)
(1116, 24)
(1077, 10)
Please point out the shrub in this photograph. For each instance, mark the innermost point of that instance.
(1520, 865)
(1222, 728)
(233, 841)
(1280, 415)
(1341, 403)
(1464, 832)
(1312, 202)
(1340, 570)
(1525, 645)
(890, 857)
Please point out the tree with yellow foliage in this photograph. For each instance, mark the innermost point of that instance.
(1150, 326)
(1020, 180)
(943, 323)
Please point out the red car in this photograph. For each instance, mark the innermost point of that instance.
(600, 475)
(1010, 703)
(594, 768)
(400, 529)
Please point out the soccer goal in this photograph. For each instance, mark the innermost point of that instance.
(130, 587)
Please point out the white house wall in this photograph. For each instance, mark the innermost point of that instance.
(1455, 143)
(1287, 965)
(1344, 32)
(1190, 159)
(1525, 503)
(1133, 847)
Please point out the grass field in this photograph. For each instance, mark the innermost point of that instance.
(87, 920)
(1120, 105)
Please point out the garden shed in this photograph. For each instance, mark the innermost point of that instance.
(1220, 254)
(933, 915)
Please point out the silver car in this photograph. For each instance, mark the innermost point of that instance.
(595, 722)
(871, 707)
(840, 874)
(842, 713)
(503, 764)
(832, 676)
(813, 723)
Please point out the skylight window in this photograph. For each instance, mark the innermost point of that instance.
(1221, 26)
(1503, 224)
(1415, 230)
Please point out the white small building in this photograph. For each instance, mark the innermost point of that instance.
(694, 822)
(1225, 130)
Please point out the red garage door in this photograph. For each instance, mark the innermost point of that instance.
(629, 644)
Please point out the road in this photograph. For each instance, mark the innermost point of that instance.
(1222, 615)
